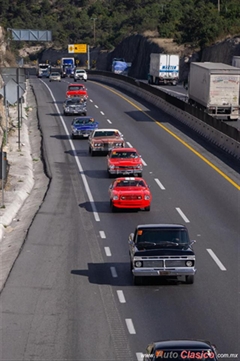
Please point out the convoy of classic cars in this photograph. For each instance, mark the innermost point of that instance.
(156, 250)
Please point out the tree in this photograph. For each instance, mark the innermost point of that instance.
(200, 25)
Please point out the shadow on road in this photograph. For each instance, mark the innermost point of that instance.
(119, 274)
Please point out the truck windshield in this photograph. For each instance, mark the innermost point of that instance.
(162, 236)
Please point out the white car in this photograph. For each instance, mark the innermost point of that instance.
(80, 74)
(55, 76)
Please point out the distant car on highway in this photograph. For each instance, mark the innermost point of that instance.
(181, 349)
(75, 105)
(55, 76)
(76, 90)
(103, 140)
(123, 161)
(130, 193)
(80, 74)
(82, 127)
(161, 250)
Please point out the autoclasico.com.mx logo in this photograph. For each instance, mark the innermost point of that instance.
(186, 354)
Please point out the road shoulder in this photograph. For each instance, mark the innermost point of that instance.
(26, 193)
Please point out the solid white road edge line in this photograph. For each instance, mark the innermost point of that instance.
(130, 326)
(113, 272)
(102, 234)
(159, 183)
(182, 215)
(90, 197)
(121, 296)
(216, 259)
(108, 251)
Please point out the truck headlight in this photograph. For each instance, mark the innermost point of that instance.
(146, 197)
(111, 166)
(189, 263)
(115, 198)
(138, 264)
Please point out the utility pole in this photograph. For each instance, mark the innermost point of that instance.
(219, 6)
(94, 30)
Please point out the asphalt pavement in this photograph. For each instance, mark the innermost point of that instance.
(26, 183)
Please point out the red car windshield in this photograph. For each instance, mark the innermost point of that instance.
(124, 155)
(76, 88)
(130, 183)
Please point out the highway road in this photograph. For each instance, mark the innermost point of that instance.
(70, 294)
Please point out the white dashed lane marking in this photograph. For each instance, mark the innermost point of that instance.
(182, 215)
(101, 112)
(130, 326)
(109, 121)
(102, 234)
(96, 106)
(108, 251)
(216, 259)
(159, 183)
(121, 296)
(113, 272)
(130, 146)
(139, 356)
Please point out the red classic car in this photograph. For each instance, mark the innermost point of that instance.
(76, 90)
(124, 161)
(130, 192)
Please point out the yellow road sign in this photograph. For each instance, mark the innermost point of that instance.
(71, 48)
(77, 48)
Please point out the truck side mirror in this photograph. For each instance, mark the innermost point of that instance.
(130, 238)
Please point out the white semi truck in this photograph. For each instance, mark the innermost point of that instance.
(163, 69)
(44, 70)
(236, 63)
(214, 87)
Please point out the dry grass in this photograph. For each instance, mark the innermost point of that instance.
(169, 46)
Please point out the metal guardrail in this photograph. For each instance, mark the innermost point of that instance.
(226, 129)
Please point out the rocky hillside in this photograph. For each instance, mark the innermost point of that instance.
(137, 49)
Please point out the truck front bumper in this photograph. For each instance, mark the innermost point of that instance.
(151, 272)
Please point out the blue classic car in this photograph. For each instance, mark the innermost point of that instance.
(83, 126)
